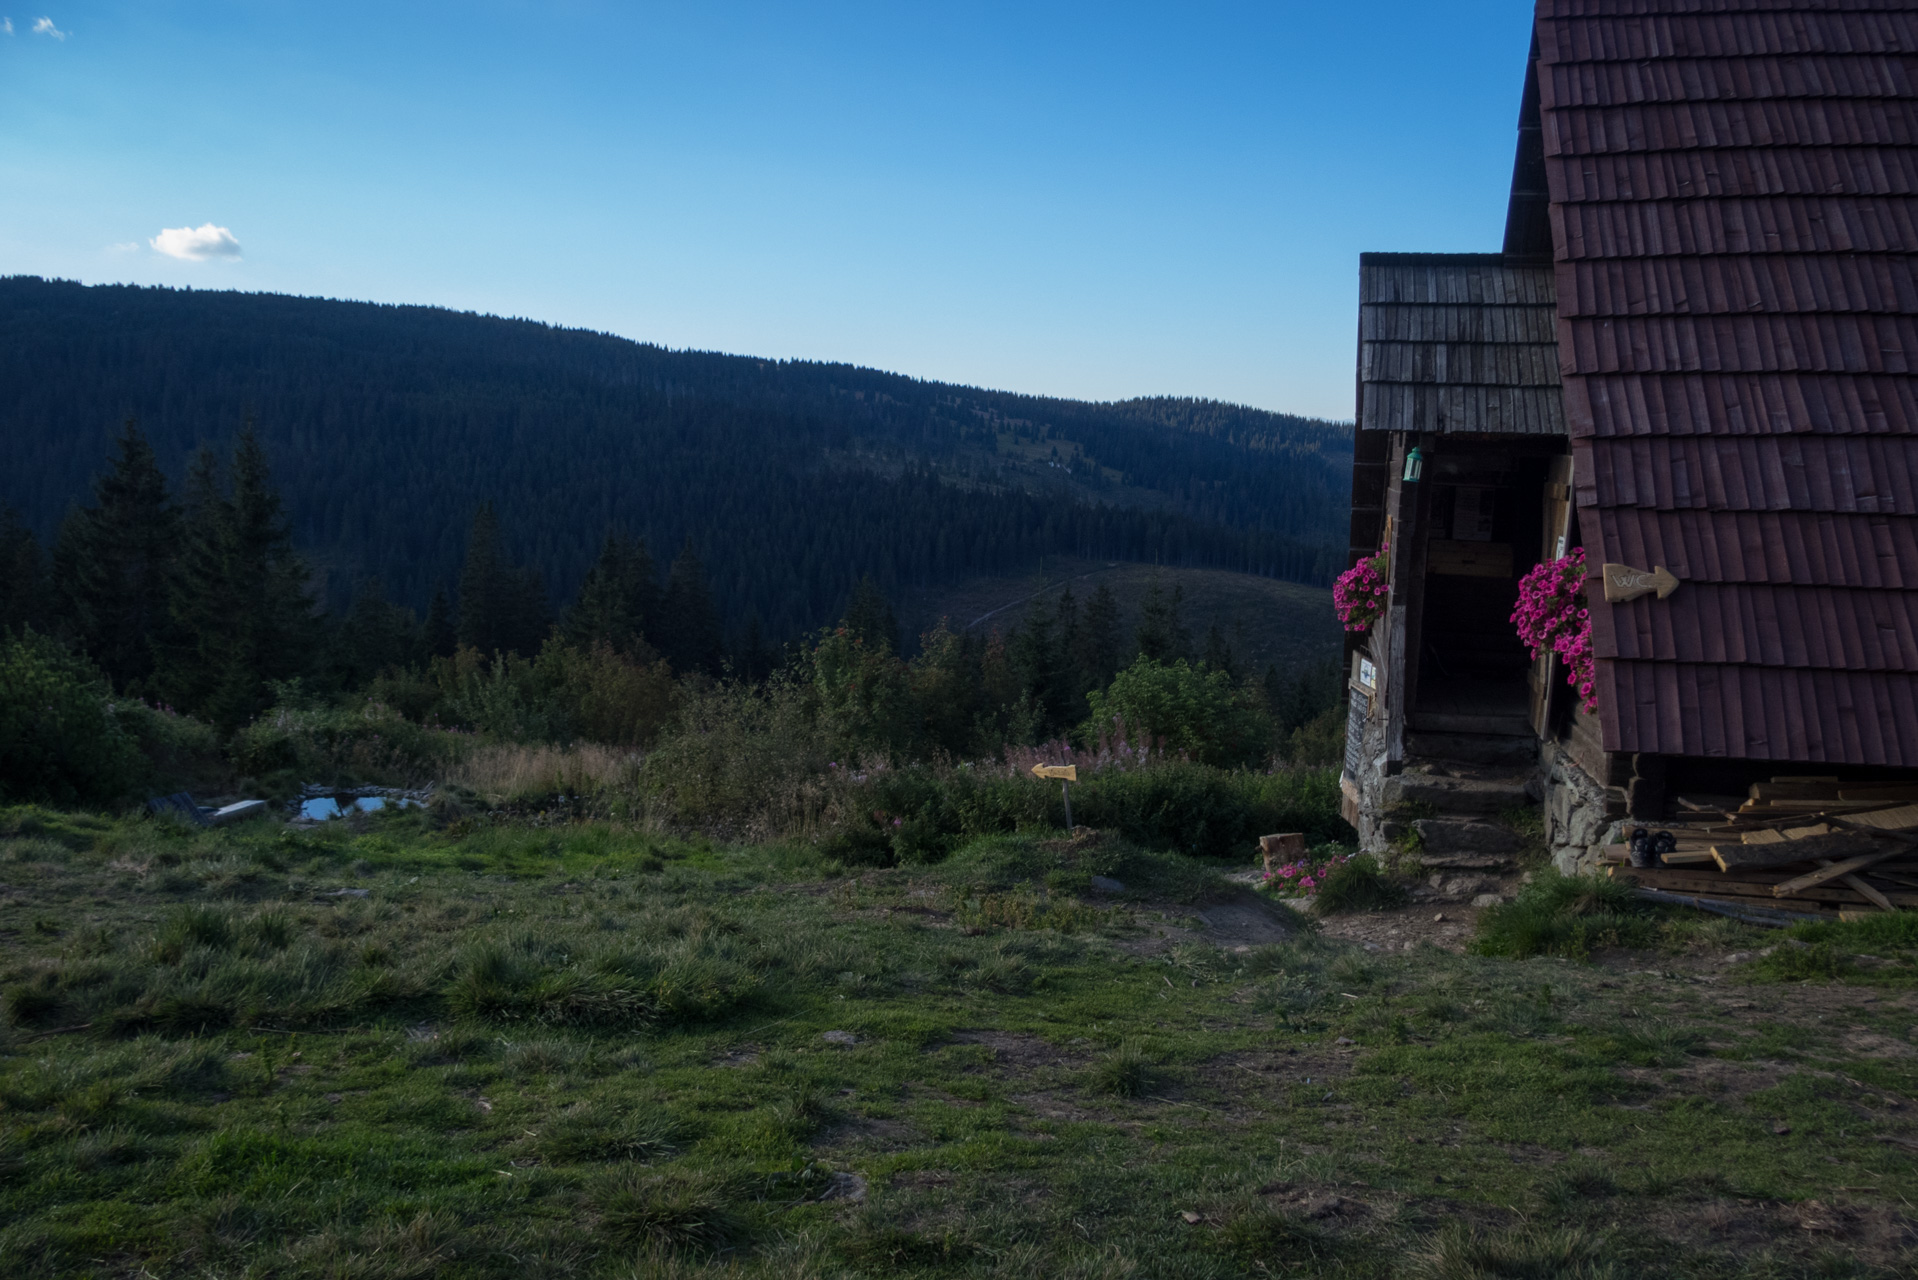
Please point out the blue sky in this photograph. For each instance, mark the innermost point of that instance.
(1092, 200)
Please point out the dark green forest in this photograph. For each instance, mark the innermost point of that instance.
(388, 428)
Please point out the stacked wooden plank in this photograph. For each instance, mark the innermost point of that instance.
(1797, 846)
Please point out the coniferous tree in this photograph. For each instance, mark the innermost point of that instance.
(1101, 645)
(618, 600)
(23, 578)
(1042, 671)
(240, 604)
(689, 623)
(485, 587)
(755, 659)
(1162, 635)
(869, 618)
(1218, 652)
(439, 637)
(529, 611)
(201, 604)
(115, 564)
(376, 635)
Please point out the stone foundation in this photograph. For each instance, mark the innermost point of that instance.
(1581, 817)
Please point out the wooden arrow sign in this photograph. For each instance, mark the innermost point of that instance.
(1069, 772)
(1622, 583)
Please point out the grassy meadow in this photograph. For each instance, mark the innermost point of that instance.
(403, 1046)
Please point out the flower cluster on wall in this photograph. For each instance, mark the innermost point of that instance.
(1552, 615)
(1360, 593)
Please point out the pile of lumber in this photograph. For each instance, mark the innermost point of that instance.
(1797, 847)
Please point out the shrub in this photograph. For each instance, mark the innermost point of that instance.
(1196, 711)
(346, 745)
(1357, 884)
(60, 739)
(752, 760)
(179, 750)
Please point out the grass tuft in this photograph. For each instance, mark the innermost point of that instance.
(1564, 915)
(1526, 1253)
(1126, 1072)
(697, 1215)
(600, 1132)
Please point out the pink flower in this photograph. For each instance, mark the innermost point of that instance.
(1360, 593)
(1549, 616)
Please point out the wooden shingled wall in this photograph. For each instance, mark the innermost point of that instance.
(1734, 199)
(1457, 342)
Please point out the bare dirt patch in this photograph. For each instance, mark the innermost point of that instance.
(1233, 1073)
(1016, 1054)
(1872, 1234)
(1445, 925)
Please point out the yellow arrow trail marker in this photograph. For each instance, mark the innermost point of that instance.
(1622, 583)
(1069, 772)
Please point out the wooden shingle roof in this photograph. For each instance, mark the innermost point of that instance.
(1734, 204)
(1457, 342)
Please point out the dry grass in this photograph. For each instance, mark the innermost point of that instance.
(508, 770)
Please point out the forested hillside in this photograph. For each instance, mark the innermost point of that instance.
(387, 427)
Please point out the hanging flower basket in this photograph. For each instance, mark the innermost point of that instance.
(1552, 617)
(1360, 593)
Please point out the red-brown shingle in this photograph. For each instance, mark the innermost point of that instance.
(1733, 220)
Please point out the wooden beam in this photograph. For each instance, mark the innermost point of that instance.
(1835, 871)
(1878, 899)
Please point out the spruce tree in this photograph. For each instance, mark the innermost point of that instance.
(1042, 671)
(376, 635)
(240, 604)
(755, 659)
(439, 637)
(1101, 644)
(618, 600)
(869, 618)
(1162, 635)
(529, 611)
(689, 623)
(1218, 652)
(502, 608)
(201, 605)
(23, 578)
(115, 563)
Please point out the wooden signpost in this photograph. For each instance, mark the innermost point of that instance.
(1067, 774)
(1622, 583)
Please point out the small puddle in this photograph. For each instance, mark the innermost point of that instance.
(321, 808)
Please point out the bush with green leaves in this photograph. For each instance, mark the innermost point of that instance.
(1195, 711)
(60, 737)
(350, 744)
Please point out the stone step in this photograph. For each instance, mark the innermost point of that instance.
(1503, 724)
(1467, 843)
(1473, 748)
(1457, 795)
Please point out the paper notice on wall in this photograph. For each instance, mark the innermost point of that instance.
(1472, 512)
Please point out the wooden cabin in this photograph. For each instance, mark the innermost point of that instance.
(1694, 352)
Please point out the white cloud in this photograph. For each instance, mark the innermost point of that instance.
(6, 26)
(45, 27)
(196, 244)
(128, 247)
